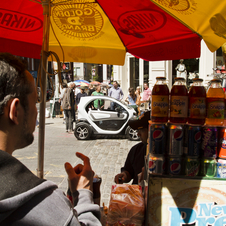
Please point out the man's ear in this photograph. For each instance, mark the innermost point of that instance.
(14, 107)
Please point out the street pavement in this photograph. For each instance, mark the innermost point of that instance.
(107, 155)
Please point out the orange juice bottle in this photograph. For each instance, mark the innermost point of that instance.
(215, 104)
(224, 107)
(197, 102)
(224, 88)
(179, 101)
(160, 101)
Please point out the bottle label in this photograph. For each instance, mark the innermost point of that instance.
(160, 106)
(179, 106)
(197, 108)
(215, 108)
(225, 108)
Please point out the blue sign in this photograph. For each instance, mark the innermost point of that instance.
(206, 214)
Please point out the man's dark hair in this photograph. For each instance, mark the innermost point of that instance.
(13, 80)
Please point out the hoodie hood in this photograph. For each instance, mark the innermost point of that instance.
(18, 184)
(9, 205)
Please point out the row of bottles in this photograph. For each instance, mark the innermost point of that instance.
(195, 106)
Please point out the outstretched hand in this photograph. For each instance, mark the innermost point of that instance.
(81, 176)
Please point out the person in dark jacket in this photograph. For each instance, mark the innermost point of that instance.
(81, 94)
(91, 89)
(68, 105)
(26, 199)
(135, 159)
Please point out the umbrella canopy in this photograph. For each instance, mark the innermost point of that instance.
(81, 80)
(95, 83)
(77, 83)
(101, 31)
(81, 83)
(84, 84)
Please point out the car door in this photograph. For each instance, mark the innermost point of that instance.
(107, 114)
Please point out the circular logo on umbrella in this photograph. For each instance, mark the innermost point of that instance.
(181, 6)
(78, 20)
(19, 21)
(137, 22)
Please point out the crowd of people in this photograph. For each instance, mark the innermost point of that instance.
(70, 97)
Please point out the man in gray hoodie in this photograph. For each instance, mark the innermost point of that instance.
(24, 198)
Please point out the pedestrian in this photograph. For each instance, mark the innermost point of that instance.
(81, 94)
(72, 97)
(132, 99)
(135, 159)
(98, 103)
(147, 94)
(115, 92)
(26, 199)
(62, 90)
(139, 97)
(67, 105)
(77, 90)
(91, 89)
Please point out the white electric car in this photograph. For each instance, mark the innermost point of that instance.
(103, 115)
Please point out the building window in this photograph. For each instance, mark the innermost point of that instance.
(219, 58)
(146, 71)
(77, 71)
(134, 72)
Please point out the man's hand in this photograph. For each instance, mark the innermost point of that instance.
(81, 176)
(122, 178)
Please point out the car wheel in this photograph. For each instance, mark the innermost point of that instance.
(131, 134)
(82, 131)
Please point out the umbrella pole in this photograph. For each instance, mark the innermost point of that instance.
(44, 69)
(223, 47)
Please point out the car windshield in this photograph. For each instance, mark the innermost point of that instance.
(106, 105)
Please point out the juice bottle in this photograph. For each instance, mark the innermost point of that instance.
(160, 101)
(179, 102)
(197, 102)
(225, 108)
(215, 103)
(224, 88)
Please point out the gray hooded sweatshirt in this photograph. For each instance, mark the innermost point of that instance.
(28, 200)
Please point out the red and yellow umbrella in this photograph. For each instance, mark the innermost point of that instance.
(100, 31)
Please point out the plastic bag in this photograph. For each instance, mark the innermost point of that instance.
(126, 205)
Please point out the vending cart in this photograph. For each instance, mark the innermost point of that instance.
(179, 201)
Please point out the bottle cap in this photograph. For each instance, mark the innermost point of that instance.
(215, 80)
(197, 80)
(180, 78)
(161, 78)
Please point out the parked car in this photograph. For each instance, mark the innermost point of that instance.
(103, 115)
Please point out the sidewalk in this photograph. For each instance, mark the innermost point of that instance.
(107, 155)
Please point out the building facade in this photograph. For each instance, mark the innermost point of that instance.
(135, 72)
